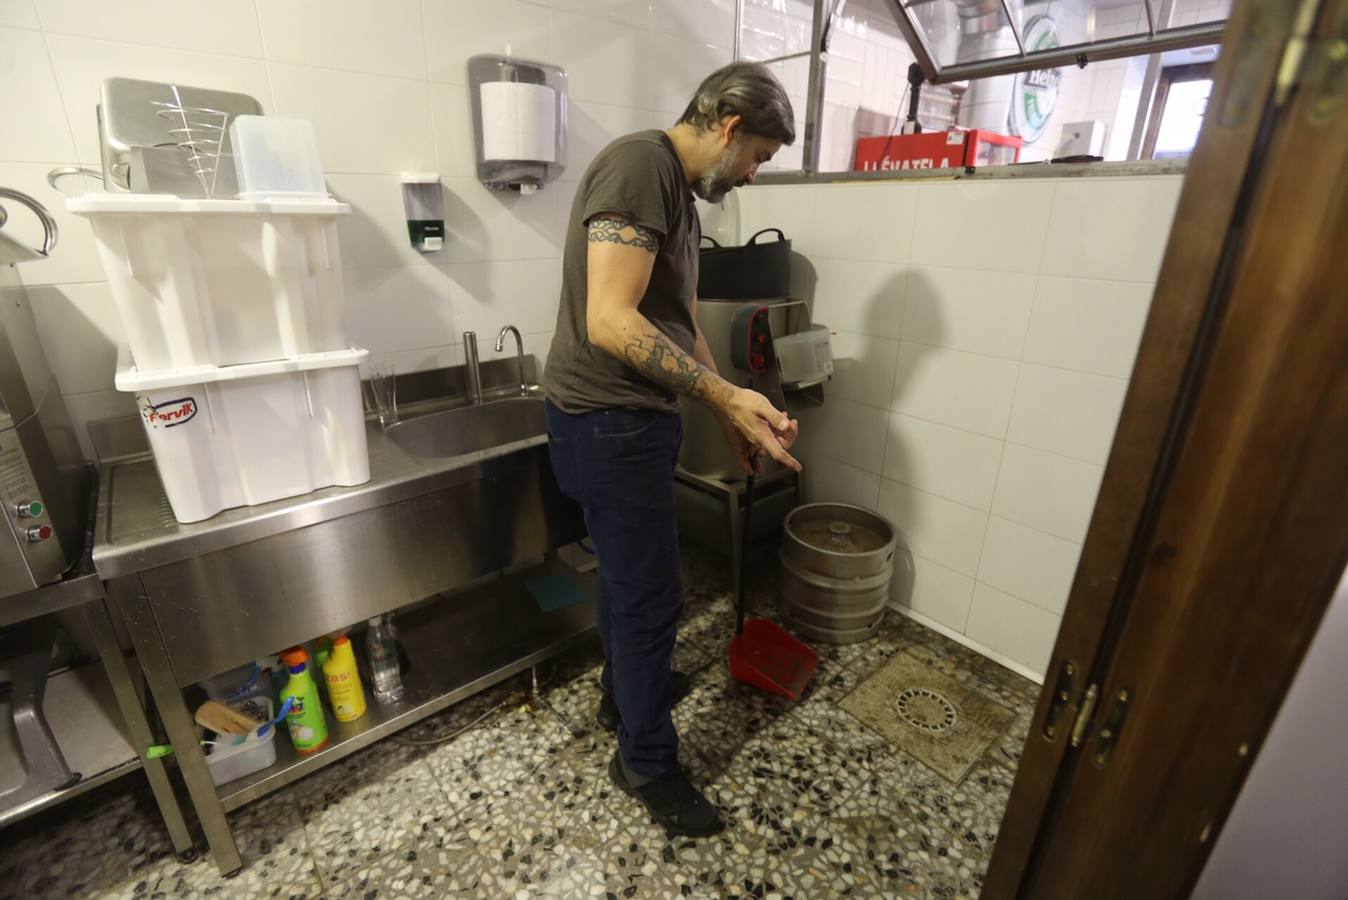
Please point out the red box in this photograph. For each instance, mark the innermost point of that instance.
(935, 150)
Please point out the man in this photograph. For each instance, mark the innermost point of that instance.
(626, 348)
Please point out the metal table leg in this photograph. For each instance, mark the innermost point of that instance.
(168, 697)
(138, 725)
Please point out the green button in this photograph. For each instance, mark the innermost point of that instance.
(35, 508)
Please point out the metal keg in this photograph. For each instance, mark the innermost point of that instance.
(837, 563)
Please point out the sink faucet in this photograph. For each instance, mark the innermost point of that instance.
(471, 363)
(519, 352)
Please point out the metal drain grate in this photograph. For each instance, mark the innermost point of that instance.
(926, 709)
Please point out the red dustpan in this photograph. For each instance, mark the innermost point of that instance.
(761, 653)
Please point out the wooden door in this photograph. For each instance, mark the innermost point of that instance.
(1222, 522)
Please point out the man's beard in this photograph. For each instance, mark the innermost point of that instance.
(713, 184)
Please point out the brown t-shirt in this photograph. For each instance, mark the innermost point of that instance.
(640, 177)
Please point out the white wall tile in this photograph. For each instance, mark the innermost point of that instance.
(829, 481)
(457, 30)
(76, 256)
(968, 309)
(606, 62)
(941, 530)
(1087, 325)
(94, 407)
(938, 593)
(483, 224)
(227, 26)
(383, 38)
(846, 431)
(452, 118)
(593, 126)
(79, 329)
(789, 207)
(487, 296)
(375, 234)
(636, 13)
(421, 359)
(993, 225)
(705, 21)
(35, 127)
(1012, 627)
(1029, 564)
(82, 64)
(1070, 413)
(678, 67)
(1110, 228)
(365, 123)
(865, 221)
(1048, 492)
(863, 368)
(860, 297)
(949, 462)
(18, 14)
(964, 390)
(395, 309)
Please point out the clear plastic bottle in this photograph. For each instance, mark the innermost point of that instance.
(381, 645)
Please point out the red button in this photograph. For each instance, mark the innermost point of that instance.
(39, 534)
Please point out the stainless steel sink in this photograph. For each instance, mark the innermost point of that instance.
(470, 429)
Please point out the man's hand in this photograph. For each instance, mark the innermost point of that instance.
(754, 425)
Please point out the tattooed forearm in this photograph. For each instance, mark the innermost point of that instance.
(656, 357)
(612, 230)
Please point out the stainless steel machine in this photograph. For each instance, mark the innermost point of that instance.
(44, 483)
(709, 485)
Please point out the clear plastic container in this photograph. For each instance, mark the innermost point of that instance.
(236, 684)
(804, 358)
(228, 761)
(276, 158)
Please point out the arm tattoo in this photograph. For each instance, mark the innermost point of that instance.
(620, 231)
(656, 357)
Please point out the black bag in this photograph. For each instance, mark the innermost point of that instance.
(752, 272)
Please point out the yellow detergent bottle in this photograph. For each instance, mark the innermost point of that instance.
(344, 688)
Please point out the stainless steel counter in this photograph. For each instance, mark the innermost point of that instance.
(458, 496)
(135, 528)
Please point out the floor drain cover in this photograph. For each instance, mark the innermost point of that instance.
(926, 709)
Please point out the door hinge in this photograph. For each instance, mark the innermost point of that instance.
(1292, 65)
(1083, 719)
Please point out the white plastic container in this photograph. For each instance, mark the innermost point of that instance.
(242, 435)
(276, 158)
(228, 761)
(220, 282)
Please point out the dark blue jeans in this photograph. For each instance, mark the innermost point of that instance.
(618, 464)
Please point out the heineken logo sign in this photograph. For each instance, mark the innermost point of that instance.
(1036, 93)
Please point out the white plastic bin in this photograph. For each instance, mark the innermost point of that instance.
(242, 435)
(228, 761)
(220, 282)
(237, 684)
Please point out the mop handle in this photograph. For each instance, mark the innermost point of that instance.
(744, 552)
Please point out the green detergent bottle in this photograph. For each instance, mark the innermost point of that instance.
(308, 726)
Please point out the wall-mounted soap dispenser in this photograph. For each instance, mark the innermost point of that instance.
(424, 203)
(519, 122)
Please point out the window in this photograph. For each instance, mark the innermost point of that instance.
(1177, 114)
(977, 61)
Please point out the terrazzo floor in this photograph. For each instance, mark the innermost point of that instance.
(816, 804)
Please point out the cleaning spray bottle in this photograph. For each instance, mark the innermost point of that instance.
(346, 694)
(308, 726)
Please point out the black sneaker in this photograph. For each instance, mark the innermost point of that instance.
(680, 685)
(673, 802)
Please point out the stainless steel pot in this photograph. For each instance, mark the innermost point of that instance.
(835, 584)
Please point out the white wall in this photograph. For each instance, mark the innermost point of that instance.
(986, 333)
(1284, 837)
(383, 84)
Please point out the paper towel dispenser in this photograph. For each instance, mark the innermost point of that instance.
(519, 122)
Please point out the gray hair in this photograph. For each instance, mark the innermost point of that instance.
(748, 90)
